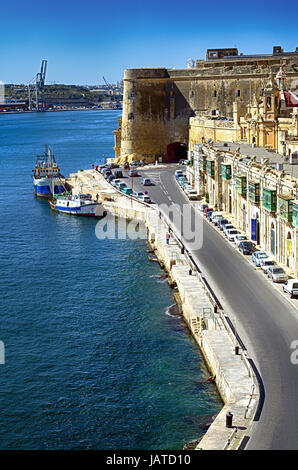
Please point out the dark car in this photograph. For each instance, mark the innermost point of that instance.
(247, 248)
(107, 173)
(210, 212)
(206, 210)
(111, 178)
(222, 223)
(118, 174)
(133, 173)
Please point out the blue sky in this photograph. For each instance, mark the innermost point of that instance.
(86, 40)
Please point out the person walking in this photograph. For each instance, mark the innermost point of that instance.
(167, 238)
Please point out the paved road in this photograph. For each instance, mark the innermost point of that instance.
(265, 320)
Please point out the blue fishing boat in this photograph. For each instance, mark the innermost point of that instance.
(46, 175)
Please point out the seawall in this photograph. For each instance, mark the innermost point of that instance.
(208, 324)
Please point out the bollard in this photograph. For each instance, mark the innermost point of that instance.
(237, 350)
(182, 250)
(229, 420)
(215, 308)
(190, 272)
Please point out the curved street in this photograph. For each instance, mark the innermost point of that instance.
(266, 321)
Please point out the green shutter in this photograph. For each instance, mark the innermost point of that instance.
(210, 167)
(226, 171)
(254, 192)
(295, 214)
(241, 185)
(285, 207)
(269, 199)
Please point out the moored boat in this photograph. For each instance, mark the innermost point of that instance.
(82, 205)
(46, 175)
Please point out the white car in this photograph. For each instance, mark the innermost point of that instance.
(187, 188)
(215, 217)
(277, 274)
(291, 287)
(192, 195)
(145, 198)
(240, 238)
(267, 263)
(115, 182)
(227, 227)
(231, 234)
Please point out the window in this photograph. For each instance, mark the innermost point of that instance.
(214, 93)
(238, 93)
(130, 116)
(131, 95)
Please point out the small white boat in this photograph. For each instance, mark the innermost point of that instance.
(82, 205)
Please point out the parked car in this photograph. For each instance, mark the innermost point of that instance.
(127, 190)
(182, 180)
(209, 214)
(246, 247)
(277, 274)
(118, 174)
(291, 287)
(187, 188)
(145, 198)
(227, 227)
(192, 195)
(178, 173)
(133, 173)
(266, 263)
(115, 181)
(257, 256)
(107, 174)
(222, 223)
(240, 238)
(138, 194)
(203, 206)
(121, 185)
(207, 210)
(146, 182)
(215, 216)
(231, 233)
(110, 178)
(182, 162)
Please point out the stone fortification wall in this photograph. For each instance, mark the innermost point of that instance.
(158, 102)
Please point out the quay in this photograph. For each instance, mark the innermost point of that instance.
(209, 324)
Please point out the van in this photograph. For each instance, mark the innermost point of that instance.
(291, 287)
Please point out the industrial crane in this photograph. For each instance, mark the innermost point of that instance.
(38, 82)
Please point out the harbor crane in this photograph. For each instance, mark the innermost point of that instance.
(110, 88)
(38, 83)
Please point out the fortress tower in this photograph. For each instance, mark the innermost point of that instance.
(158, 102)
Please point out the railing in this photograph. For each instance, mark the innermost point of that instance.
(226, 321)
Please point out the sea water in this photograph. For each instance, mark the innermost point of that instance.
(94, 357)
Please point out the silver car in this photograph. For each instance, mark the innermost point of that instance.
(266, 263)
(277, 274)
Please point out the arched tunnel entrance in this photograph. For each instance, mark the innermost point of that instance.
(176, 151)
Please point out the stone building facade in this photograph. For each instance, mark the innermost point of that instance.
(158, 102)
(262, 201)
